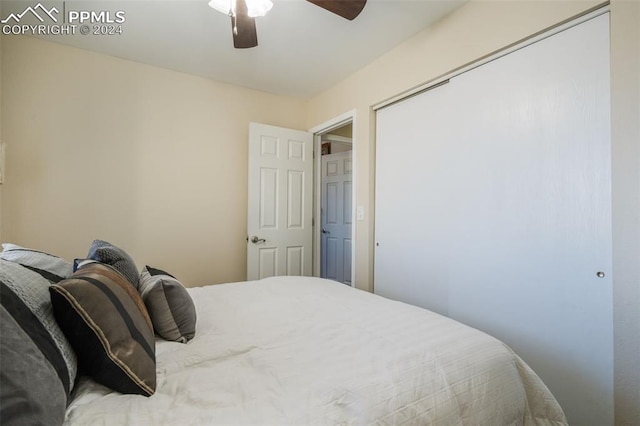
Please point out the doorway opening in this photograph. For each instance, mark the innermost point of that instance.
(334, 200)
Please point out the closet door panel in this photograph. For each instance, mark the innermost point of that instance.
(403, 208)
(508, 218)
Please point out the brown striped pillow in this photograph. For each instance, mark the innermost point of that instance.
(108, 326)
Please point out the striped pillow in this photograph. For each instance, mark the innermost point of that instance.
(107, 324)
(49, 266)
(37, 363)
(171, 308)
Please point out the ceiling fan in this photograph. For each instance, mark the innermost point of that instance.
(243, 15)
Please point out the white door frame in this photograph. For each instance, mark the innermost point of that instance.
(318, 131)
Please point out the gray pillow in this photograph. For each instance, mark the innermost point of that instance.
(109, 254)
(49, 266)
(169, 304)
(31, 391)
(37, 364)
(107, 324)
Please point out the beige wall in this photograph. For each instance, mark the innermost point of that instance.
(155, 160)
(473, 31)
(344, 131)
(150, 159)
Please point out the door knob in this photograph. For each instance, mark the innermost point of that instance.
(324, 231)
(256, 240)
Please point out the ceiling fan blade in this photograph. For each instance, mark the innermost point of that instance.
(348, 9)
(243, 27)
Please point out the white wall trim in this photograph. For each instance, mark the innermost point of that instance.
(334, 123)
(337, 139)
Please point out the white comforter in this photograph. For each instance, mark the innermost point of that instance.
(307, 351)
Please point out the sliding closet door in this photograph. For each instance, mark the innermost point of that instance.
(493, 207)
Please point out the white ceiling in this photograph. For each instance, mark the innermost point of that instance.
(302, 49)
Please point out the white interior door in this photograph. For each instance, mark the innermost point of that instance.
(493, 206)
(336, 217)
(280, 202)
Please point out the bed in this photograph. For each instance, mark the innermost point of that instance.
(301, 350)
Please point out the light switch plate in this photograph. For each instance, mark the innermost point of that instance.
(1, 162)
(360, 213)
